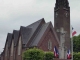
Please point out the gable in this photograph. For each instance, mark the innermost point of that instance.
(35, 28)
(36, 25)
(25, 34)
(48, 42)
(7, 44)
(42, 33)
(50, 30)
(15, 36)
(8, 39)
(39, 35)
(28, 33)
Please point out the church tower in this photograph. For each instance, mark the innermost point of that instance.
(62, 20)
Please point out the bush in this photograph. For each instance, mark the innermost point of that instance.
(48, 56)
(37, 54)
(33, 54)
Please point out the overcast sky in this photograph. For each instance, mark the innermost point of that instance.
(16, 13)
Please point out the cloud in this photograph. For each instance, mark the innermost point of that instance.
(14, 7)
(74, 14)
(16, 13)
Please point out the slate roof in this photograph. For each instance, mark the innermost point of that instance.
(29, 31)
(30, 34)
(35, 25)
(15, 36)
(9, 40)
(34, 32)
(25, 34)
(39, 34)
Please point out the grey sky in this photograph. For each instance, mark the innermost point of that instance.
(16, 13)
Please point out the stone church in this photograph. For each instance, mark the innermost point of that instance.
(41, 34)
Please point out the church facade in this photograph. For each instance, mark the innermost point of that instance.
(41, 35)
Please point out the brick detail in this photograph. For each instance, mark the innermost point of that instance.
(44, 43)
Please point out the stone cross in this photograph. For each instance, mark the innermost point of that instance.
(62, 50)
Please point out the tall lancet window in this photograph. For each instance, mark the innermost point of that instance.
(19, 46)
(6, 49)
(49, 44)
(12, 48)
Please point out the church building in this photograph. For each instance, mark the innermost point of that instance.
(41, 34)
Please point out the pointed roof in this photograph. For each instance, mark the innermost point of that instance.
(25, 34)
(41, 32)
(28, 33)
(36, 25)
(15, 36)
(8, 39)
(33, 33)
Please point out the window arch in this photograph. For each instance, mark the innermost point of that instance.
(12, 48)
(19, 46)
(49, 45)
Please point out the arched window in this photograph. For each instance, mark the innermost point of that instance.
(19, 46)
(49, 45)
(12, 48)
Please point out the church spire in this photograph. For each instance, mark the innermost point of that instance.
(62, 3)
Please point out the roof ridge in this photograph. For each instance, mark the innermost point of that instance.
(38, 21)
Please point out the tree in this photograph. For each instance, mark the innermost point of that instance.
(33, 54)
(76, 47)
(76, 43)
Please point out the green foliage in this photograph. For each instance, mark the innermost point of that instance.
(37, 54)
(49, 56)
(33, 54)
(76, 56)
(76, 43)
